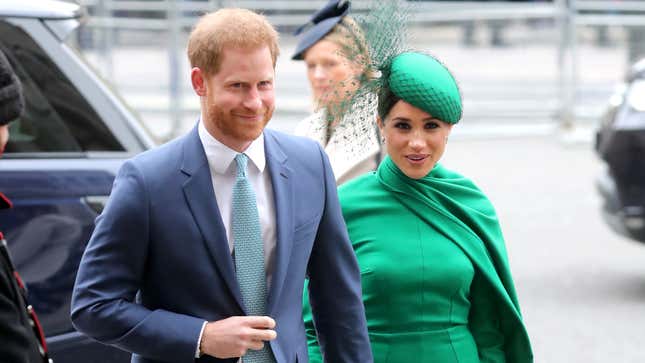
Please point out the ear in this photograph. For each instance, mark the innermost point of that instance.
(197, 78)
(449, 130)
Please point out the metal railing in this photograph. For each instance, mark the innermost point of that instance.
(109, 20)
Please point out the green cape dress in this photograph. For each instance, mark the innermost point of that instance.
(434, 270)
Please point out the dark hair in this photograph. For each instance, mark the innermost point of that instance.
(11, 101)
(386, 98)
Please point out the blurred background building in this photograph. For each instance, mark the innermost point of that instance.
(524, 66)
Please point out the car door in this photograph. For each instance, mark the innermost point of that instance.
(58, 170)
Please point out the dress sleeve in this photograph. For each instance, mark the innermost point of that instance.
(484, 322)
(312, 341)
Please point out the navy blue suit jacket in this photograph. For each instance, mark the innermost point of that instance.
(158, 263)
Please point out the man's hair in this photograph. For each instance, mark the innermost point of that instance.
(239, 28)
(349, 36)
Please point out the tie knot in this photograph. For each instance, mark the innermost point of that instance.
(241, 160)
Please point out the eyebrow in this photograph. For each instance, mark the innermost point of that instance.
(409, 120)
(237, 80)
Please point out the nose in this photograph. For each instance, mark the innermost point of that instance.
(416, 142)
(252, 100)
(319, 73)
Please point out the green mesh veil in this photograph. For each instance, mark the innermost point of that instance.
(377, 43)
(378, 32)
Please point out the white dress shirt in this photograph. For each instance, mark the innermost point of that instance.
(221, 161)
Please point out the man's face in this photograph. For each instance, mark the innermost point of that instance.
(4, 137)
(238, 100)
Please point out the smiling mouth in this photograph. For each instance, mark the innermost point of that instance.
(251, 117)
(417, 158)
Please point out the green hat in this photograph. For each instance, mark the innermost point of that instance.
(422, 81)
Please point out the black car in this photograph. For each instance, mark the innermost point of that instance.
(59, 165)
(620, 143)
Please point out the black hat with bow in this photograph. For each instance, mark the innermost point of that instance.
(321, 23)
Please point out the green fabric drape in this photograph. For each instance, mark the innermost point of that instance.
(454, 212)
(468, 218)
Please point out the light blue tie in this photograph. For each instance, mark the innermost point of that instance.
(249, 253)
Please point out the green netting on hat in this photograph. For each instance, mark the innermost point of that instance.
(424, 82)
(390, 67)
(380, 29)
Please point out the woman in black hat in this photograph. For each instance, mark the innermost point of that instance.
(335, 52)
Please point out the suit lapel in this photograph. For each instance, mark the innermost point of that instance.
(198, 190)
(281, 180)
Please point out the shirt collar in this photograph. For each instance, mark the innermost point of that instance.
(221, 156)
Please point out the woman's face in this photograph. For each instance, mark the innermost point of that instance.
(331, 76)
(414, 139)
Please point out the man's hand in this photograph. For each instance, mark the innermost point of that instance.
(232, 337)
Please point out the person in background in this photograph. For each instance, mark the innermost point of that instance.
(202, 249)
(336, 55)
(435, 276)
(22, 338)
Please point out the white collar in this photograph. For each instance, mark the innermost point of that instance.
(221, 156)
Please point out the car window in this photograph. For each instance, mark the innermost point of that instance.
(57, 117)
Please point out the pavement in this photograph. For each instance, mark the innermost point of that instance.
(581, 287)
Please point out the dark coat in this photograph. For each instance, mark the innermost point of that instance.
(19, 342)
